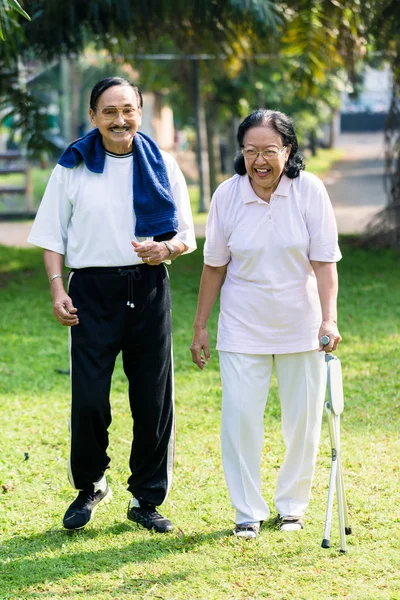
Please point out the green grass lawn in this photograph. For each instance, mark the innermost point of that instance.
(112, 558)
(323, 160)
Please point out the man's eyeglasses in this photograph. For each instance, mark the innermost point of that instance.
(269, 154)
(109, 113)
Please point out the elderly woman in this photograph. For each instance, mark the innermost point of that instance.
(271, 248)
(117, 208)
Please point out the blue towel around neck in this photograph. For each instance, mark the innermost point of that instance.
(153, 203)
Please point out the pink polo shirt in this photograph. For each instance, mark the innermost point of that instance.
(269, 300)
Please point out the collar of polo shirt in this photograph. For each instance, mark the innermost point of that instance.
(249, 195)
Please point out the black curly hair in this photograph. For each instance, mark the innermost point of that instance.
(283, 127)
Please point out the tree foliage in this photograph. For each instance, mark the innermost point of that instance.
(127, 28)
(8, 18)
(289, 54)
(198, 26)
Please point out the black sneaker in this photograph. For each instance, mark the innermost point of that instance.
(148, 516)
(81, 510)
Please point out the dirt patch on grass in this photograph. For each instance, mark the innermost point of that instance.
(4, 279)
(7, 276)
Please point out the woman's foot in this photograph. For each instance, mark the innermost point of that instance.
(248, 531)
(290, 523)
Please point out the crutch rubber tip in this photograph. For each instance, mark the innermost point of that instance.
(347, 530)
(343, 551)
(325, 543)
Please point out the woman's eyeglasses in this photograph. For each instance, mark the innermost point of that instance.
(269, 154)
(109, 113)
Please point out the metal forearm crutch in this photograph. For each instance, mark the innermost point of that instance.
(333, 408)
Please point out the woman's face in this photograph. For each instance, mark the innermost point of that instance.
(117, 131)
(264, 172)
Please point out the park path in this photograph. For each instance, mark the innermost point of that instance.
(355, 186)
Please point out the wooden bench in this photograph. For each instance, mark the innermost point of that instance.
(12, 162)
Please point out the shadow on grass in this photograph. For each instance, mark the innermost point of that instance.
(23, 568)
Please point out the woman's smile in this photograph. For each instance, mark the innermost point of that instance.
(262, 172)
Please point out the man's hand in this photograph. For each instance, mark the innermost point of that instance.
(63, 309)
(151, 253)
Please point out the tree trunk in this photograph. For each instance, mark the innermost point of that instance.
(66, 123)
(201, 141)
(232, 147)
(313, 142)
(214, 155)
(76, 81)
(333, 128)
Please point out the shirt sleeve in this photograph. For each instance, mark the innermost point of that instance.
(50, 227)
(216, 250)
(186, 233)
(321, 225)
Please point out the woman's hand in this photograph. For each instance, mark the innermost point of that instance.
(330, 329)
(151, 253)
(211, 282)
(200, 343)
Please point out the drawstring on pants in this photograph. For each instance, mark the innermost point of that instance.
(132, 274)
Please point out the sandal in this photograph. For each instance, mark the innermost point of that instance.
(290, 523)
(248, 531)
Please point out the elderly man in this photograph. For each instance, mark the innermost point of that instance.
(115, 210)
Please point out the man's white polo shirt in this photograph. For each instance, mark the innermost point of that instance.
(89, 216)
(269, 300)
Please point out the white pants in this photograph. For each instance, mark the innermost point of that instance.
(245, 385)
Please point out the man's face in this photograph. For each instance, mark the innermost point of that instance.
(117, 128)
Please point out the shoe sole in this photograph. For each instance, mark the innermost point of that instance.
(148, 528)
(291, 527)
(245, 536)
(151, 528)
(106, 500)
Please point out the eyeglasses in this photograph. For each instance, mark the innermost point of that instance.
(109, 113)
(269, 154)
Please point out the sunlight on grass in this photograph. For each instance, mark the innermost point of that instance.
(323, 161)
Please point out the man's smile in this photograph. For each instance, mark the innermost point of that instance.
(119, 129)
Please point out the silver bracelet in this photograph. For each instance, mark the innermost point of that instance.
(169, 247)
(55, 276)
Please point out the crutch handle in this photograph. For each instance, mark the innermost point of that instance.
(325, 340)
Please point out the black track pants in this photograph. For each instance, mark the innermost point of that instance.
(107, 325)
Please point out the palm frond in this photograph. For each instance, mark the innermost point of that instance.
(8, 23)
